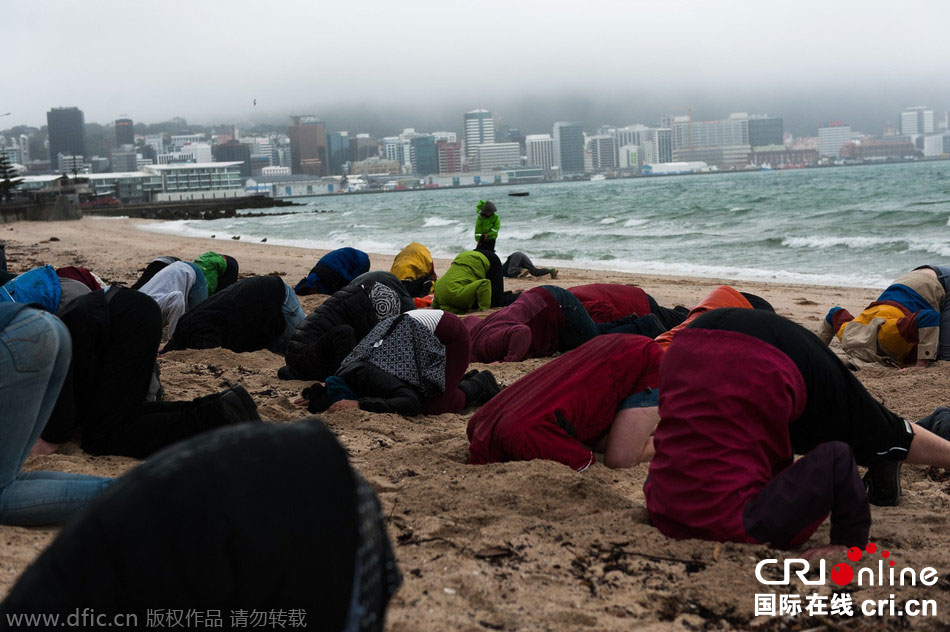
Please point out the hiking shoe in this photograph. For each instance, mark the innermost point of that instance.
(554, 273)
(238, 405)
(470, 374)
(883, 482)
(525, 273)
(487, 385)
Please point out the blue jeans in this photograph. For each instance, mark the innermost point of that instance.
(579, 327)
(943, 347)
(293, 316)
(35, 350)
(199, 289)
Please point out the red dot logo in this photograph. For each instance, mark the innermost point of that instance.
(842, 574)
(854, 554)
(885, 553)
(871, 547)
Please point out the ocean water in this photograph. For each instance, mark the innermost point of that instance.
(857, 226)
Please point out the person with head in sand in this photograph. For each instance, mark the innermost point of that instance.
(723, 469)
(414, 267)
(518, 264)
(609, 301)
(258, 517)
(600, 397)
(35, 349)
(722, 296)
(908, 324)
(837, 406)
(334, 271)
(115, 336)
(408, 364)
(487, 225)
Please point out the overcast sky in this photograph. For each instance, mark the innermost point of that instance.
(378, 63)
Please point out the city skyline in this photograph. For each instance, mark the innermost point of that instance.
(532, 63)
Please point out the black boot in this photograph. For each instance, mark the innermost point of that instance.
(237, 404)
(480, 388)
(883, 482)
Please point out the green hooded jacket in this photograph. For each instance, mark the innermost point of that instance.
(487, 226)
(212, 264)
(464, 283)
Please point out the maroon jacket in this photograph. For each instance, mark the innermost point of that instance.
(78, 274)
(608, 301)
(726, 400)
(528, 328)
(567, 405)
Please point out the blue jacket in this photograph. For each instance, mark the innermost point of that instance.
(334, 271)
(39, 285)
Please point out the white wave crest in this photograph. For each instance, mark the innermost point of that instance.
(632, 223)
(609, 220)
(831, 242)
(438, 221)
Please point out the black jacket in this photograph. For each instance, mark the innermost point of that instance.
(328, 334)
(379, 391)
(246, 316)
(389, 280)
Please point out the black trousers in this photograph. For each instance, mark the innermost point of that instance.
(106, 396)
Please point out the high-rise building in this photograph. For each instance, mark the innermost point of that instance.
(24, 143)
(124, 132)
(124, 159)
(233, 151)
(832, 138)
(479, 129)
(765, 131)
(539, 149)
(156, 142)
(363, 146)
(450, 156)
(425, 158)
(662, 141)
(308, 145)
(338, 149)
(67, 134)
(690, 134)
(629, 156)
(603, 149)
(491, 156)
(569, 147)
(917, 120)
(392, 150)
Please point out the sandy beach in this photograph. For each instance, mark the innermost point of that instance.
(515, 546)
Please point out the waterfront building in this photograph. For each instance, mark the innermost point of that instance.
(198, 181)
(603, 151)
(338, 148)
(449, 155)
(363, 146)
(425, 157)
(832, 137)
(691, 134)
(495, 156)
(765, 130)
(479, 130)
(67, 136)
(917, 120)
(540, 151)
(629, 156)
(722, 157)
(569, 147)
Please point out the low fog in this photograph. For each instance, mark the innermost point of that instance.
(381, 66)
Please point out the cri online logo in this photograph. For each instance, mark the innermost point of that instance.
(843, 573)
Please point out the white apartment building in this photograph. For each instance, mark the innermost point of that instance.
(832, 138)
(492, 156)
(540, 151)
(479, 130)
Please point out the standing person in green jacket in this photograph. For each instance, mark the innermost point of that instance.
(487, 224)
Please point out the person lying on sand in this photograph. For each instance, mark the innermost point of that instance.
(723, 468)
(837, 406)
(908, 324)
(253, 517)
(334, 271)
(115, 336)
(408, 364)
(609, 301)
(414, 267)
(177, 288)
(34, 359)
(537, 325)
(322, 341)
(600, 397)
(220, 271)
(474, 281)
(254, 313)
(518, 264)
(722, 296)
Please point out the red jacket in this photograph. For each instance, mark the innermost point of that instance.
(559, 410)
(609, 301)
(528, 328)
(726, 400)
